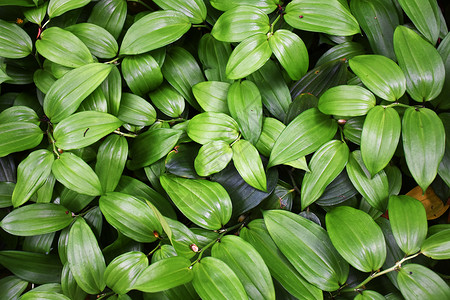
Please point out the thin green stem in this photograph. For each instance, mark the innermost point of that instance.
(132, 135)
(105, 295)
(273, 24)
(171, 120)
(238, 138)
(52, 141)
(112, 61)
(45, 24)
(156, 248)
(396, 104)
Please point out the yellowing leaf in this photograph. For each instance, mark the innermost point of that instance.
(433, 204)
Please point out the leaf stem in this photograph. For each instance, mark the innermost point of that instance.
(52, 141)
(156, 248)
(105, 295)
(132, 135)
(396, 104)
(273, 24)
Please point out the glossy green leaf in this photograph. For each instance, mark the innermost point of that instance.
(15, 42)
(378, 19)
(353, 129)
(98, 40)
(244, 103)
(212, 126)
(136, 110)
(280, 268)
(36, 14)
(63, 47)
(181, 237)
(357, 238)
(374, 189)
(423, 137)
(141, 73)
(205, 203)
(67, 93)
(11, 287)
(212, 96)
(409, 222)
(35, 219)
(41, 243)
(291, 52)
(33, 267)
(330, 17)
(96, 101)
(162, 139)
(19, 113)
(153, 31)
(250, 55)
(418, 282)
(19, 136)
(379, 138)
(308, 248)
(248, 163)
(381, 75)
(112, 90)
(437, 246)
(31, 175)
(214, 280)
(84, 128)
(131, 216)
(247, 264)
(325, 165)
(347, 101)
(6, 191)
(123, 271)
(212, 157)
(213, 55)
(164, 274)
(305, 134)
(369, 295)
(423, 67)
(116, 10)
(69, 286)
(345, 50)
(168, 100)
(74, 201)
(240, 23)
(59, 7)
(111, 158)
(195, 10)
(271, 130)
(266, 6)
(182, 71)
(76, 174)
(85, 258)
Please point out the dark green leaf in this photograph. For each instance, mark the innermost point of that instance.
(346, 100)
(96, 101)
(112, 89)
(136, 110)
(353, 129)
(15, 42)
(195, 10)
(212, 157)
(168, 100)
(69, 286)
(213, 55)
(58, 7)
(11, 287)
(116, 10)
(19, 136)
(141, 73)
(6, 191)
(339, 190)
(182, 238)
(211, 126)
(345, 50)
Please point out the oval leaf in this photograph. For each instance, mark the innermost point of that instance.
(11, 287)
(136, 110)
(195, 10)
(142, 73)
(212, 96)
(248, 163)
(15, 42)
(347, 101)
(266, 6)
(212, 158)
(437, 246)
(211, 126)
(168, 100)
(58, 7)
(19, 136)
(116, 10)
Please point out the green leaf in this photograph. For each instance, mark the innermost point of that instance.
(250, 55)
(357, 238)
(63, 47)
(85, 258)
(37, 14)
(345, 50)
(136, 110)
(212, 126)
(244, 103)
(84, 128)
(164, 274)
(379, 138)
(425, 16)
(168, 100)
(212, 157)
(69, 286)
(423, 137)
(308, 248)
(19, 136)
(11, 287)
(248, 163)
(205, 203)
(213, 55)
(369, 295)
(43, 80)
(32, 172)
(353, 129)
(33, 267)
(131, 216)
(266, 6)
(15, 42)
(153, 31)
(247, 264)
(6, 191)
(437, 246)
(212, 96)
(182, 71)
(123, 271)
(112, 90)
(418, 282)
(378, 19)
(181, 237)
(141, 73)
(325, 165)
(116, 10)
(58, 7)
(280, 268)
(96, 101)
(240, 23)
(67, 93)
(409, 222)
(423, 67)
(330, 17)
(215, 280)
(76, 174)
(291, 52)
(162, 141)
(35, 219)
(381, 75)
(48, 295)
(19, 113)
(195, 10)
(374, 189)
(347, 101)
(304, 135)
(98, 40)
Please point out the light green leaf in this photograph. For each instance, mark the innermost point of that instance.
(14, 42)
(212, 96)
(19, 136)
(195, 10)
(347, 101)
(168, 100)
(36, 14)
(248, 163)
(437, 246)
(136, 110)
(357, 238)
(58, 7)
(212, 157)
(142, 73)
(212, 126)
(181, 237)
(266, 6)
